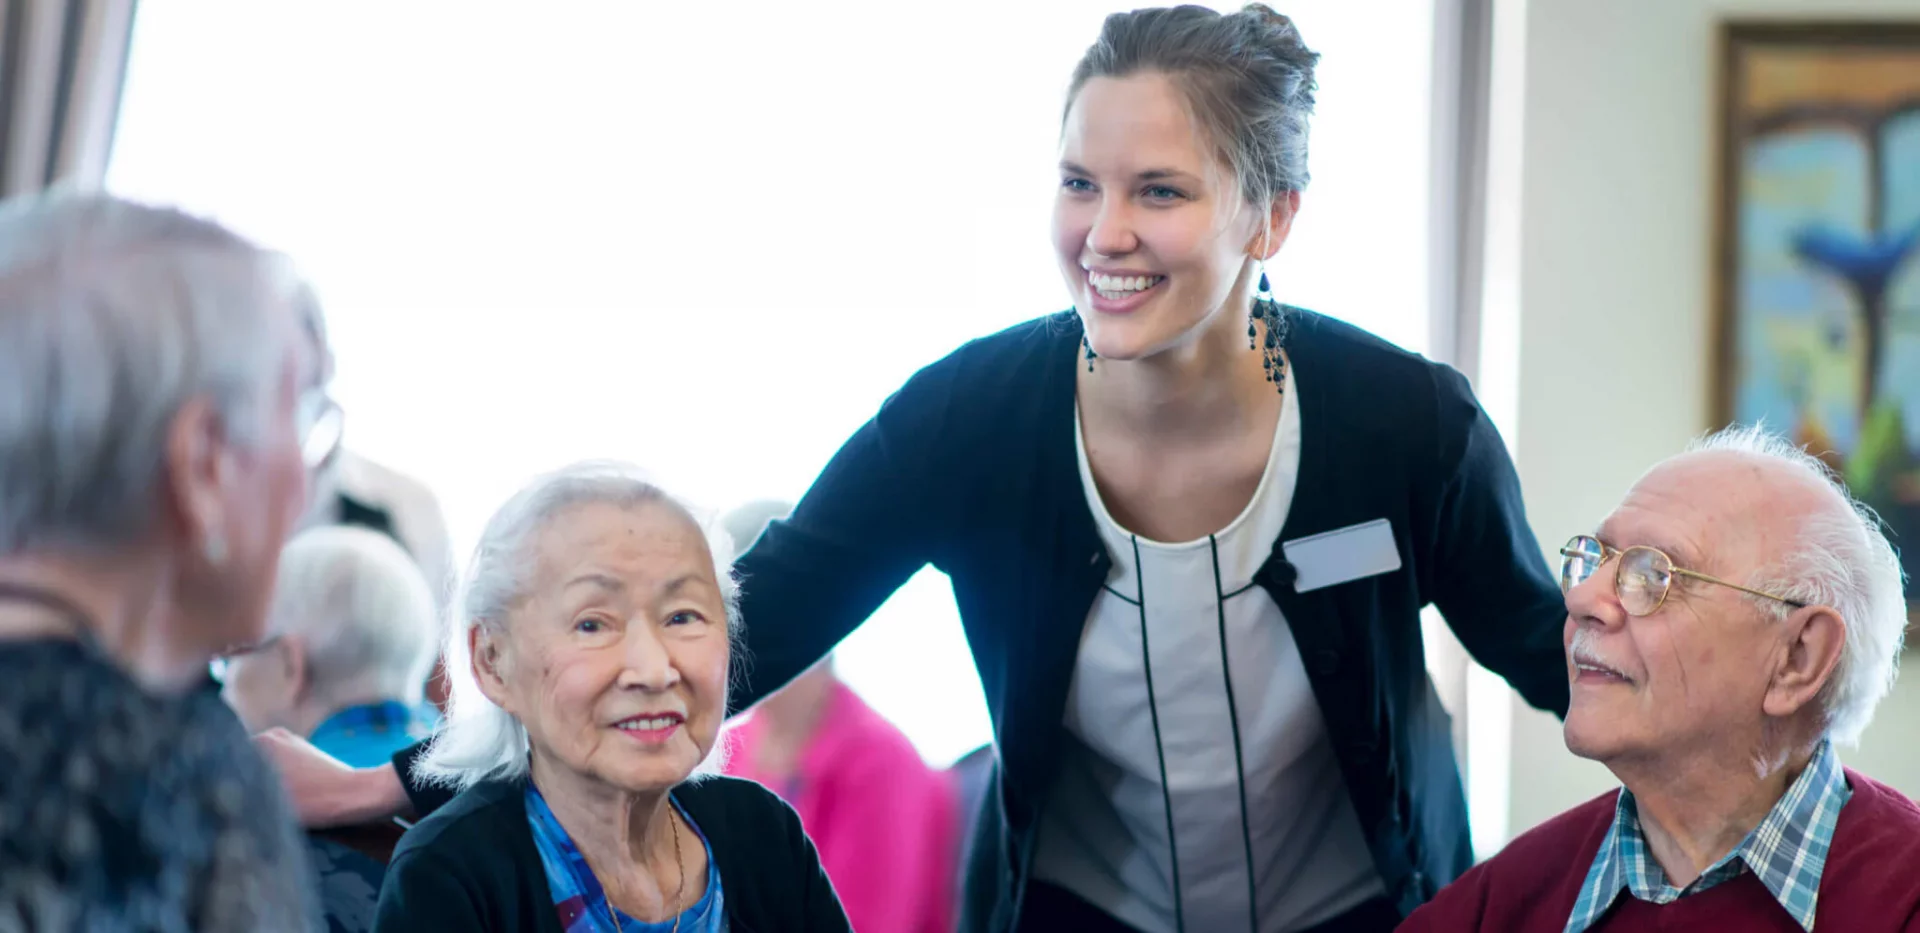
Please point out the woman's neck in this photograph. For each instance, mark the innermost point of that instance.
(626, 837)
(121, 604)
(1208, 387)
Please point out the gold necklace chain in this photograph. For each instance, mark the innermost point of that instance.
(673, 905)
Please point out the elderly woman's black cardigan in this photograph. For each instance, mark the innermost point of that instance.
(472, 865)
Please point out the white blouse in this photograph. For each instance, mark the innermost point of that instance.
(1198, 790)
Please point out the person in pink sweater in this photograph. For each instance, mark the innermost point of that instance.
(886, 825)
(1731, 623)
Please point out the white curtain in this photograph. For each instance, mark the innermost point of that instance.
(61, 69)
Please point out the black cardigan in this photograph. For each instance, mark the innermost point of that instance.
(972, 467)
(472, 865)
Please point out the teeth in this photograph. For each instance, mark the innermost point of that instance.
(648, 725)
(1121, 284)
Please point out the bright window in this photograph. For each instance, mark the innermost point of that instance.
(707, 238)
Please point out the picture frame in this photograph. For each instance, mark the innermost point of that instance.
(1816, 282)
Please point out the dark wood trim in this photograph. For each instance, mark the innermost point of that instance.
(1725, 182)
(1802, 32)
(1847, 115)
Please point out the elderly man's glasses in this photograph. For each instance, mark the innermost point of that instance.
(322, 424)
(1644, 577)
(222, 665)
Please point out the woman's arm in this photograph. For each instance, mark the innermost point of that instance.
(325, 792)
(1491, 581)
(872, 519)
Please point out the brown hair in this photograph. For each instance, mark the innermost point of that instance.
(1247, 78)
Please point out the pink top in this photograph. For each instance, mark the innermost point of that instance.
(886, 825)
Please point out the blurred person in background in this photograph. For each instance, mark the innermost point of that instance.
(356, 492)
(350, 638)
(161, 418)
(885, 823)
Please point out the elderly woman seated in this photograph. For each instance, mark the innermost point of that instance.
(590, 661)
(160, 419)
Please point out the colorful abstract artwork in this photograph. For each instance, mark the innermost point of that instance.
(1818, 282)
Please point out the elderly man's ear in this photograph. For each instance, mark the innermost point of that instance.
(1814, 637)
(292, 652)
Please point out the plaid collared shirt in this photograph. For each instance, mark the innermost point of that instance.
(1787, 851)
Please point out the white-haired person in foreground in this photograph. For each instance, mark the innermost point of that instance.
(590, 657)
(1730, 623)
(159, 426)
(350, 638)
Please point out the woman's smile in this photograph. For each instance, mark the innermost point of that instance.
(651, 729)
(1122, 291)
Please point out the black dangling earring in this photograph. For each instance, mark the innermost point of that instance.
(1090, 353)
(1272, 314)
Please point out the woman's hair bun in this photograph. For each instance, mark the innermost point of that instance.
(1278, 33)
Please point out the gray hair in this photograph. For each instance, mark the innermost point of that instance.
(363, 609)
(1840, 559)
(113, 315)
(479, 741)
(1247, 78)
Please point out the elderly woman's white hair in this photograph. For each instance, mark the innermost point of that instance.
(112, 316)
(1840, 559)
(478, 740)
(364, 609)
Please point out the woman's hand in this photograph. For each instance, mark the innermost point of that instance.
(325, 792)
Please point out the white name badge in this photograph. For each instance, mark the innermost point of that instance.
(1342, 555)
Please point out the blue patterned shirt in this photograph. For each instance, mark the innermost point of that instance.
(582, 903)
(369, 735)
(1787, 851)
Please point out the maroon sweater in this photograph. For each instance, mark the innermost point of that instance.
(1871, 882)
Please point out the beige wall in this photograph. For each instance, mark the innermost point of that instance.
(1612, 255)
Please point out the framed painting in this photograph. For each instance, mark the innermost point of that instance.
(1817, 283)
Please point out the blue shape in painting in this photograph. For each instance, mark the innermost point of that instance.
(1828, 298)
(1866, 263)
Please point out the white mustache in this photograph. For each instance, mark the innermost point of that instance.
(1583, 654)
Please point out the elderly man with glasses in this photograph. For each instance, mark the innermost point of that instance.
(1730, 623)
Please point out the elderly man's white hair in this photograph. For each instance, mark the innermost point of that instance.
(478, 740)
(112, 316)
(364, 611)
(1841, 559)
